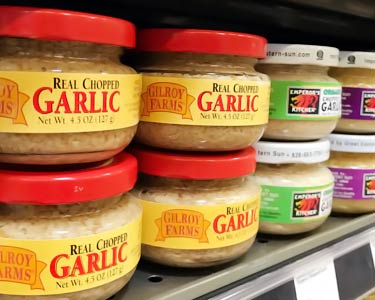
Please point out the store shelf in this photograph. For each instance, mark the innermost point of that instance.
(269, 254)
(269, 269)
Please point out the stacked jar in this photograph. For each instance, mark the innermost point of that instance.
(68, 230)
(305, 106)
(203, 106)
(353, 147)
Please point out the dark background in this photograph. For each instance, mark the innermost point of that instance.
(347, 24)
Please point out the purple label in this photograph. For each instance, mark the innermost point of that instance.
(354, 184)
(358, 103)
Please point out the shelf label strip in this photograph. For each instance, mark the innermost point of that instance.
(317, 283)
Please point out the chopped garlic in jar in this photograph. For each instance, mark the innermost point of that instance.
(67, 98)
(200, 96)
(69, 226)
(305, 101)
(296, 188)
(199, 210)
(352, 163)
(356, 72)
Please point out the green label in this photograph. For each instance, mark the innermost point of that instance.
(295, 204)
(302, 100)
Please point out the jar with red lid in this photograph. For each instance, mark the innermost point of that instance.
(200, 89)
(71, 234)
(64, 95)
(199, 210)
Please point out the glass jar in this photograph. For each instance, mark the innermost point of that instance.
(296, 188)
(305, 102)
(352, 163)
(200, 89)
(356, 72)
(71, 234)
(64, 95)
(199, 210)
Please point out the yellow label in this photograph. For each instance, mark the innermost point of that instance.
(46, 102)
(199, 227)
(41, 267)
(206, 102)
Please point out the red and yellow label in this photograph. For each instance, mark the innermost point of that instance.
(24, 264)
(40, 267)
(206, 102)
(46, 102)
(199, 227)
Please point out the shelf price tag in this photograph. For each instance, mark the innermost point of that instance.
(317, 283)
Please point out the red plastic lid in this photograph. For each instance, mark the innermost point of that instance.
(200, 166)
(201, 41)
(49, 188)
(62, 25)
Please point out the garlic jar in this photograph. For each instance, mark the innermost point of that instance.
(305, 102)
(199, 210)
(296, 188)
(64, 95)
(71, 234)
(352, 163)
(356, 72)
(200, 89)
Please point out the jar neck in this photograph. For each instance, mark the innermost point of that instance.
(20, 211)
(156, 181)
(277, 166)
(285, 166)
(194, 63)
(296, 69)
(352, 156)
(351, 160)
(31, 48)
(353, 72)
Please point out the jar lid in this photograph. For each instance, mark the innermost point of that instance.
(199, 166)
(201, 41)
(356, 59)
(295, 54)
(51, 188)
(62, 25)
(352, 143)
(292, 152)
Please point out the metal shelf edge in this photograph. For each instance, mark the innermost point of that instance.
(190, 284)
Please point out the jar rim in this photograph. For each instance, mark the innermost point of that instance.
(201, 41)
(309, 152)
(352, 143)
(357, 59)
(65, 187)
(298, 54)
(64, 25)
(195, 165)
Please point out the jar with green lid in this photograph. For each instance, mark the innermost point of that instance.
(305, 101)
(296, 187)
(64, 95)
(356, 72)
(352, 163)
(200, 89)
